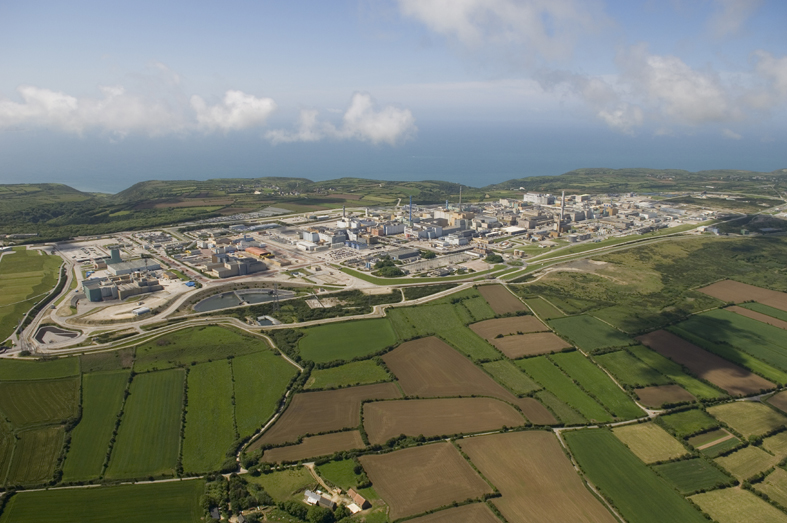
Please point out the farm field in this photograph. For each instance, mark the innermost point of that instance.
(102, 397)
(629, 370)
(417, 479)
(673, 371)
(476, 512)
(758, 316)
(543, 309)
(176, 502)
(597, 383)
(736, 380)
(692, 475)
(149, 437)
(536, 480)
(706, 438)
(779, 400)
(566, 414)
(106, 361)
(533, 344)
(736, 292)
(500, 299)
(35, 455)
(346, 340)
(748, 418)
(435, 417)
(656, 397)
(488, 329)
(315, 446)
(326, 411)
(735, 505)
(19, 370)
(717, 449)
(688, 422)
(7, 443)
(589, 333)
(283, 484)
(637, 492)
(649, 442)
(764, 309)
(27, 403)
(747, 462)
(507, 374)
(260, 382)
(210, 425)
(775, 486)
(349, 374)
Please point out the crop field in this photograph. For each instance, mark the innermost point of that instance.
(340, 473)
(27, 403)
(736, 380)
(327, 411)
(779, 400)
(106, 361)
(674, 372)
(478, 309)
(535, 478)
(417, 479)
(477, 513)
(102, 397)
(435, 417)
(35, 455)
(260, 382)
(649, 442)
(708, 438)
(533, 344)
(748, 417)
(210, 427)
(566, 414)
(688, 422)
(7, 443)
(548, 375)
(721, 447)
(630, 370)
(346, 340)
(176, 502)
(656, 397)
(747, 462)
(758, 316)
(194, 345)
(589, 333)
(543, 309)
(509, 375)
(597, 383)
(349, 374)
(500, 299)
(775, 486)
(736, 292)
(764, 309)
(506, 326)
(149, 437)
(733, 505)
(315, 446)
(692, 475)
(283, 484)
(17, 370)
(636, 491)
(25, 276)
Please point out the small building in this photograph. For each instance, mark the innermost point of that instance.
(127, 267)
(311, 498)
(214, 513)
(404, 254)
(358, 499)
(326, 503)
(139, 311)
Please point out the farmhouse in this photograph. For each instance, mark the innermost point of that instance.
(358, 499)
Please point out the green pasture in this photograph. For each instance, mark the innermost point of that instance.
(349, 374)
(688, 422)
(27, 403)
(675, 372)
(749, 418)
(562, 411)
(38, 370)
(764, 309)
(509, 375)
(346, 340)
(35, 455)
(285, 484)
(106, 361)
(631, 371)
(543, 309)
(589, 333)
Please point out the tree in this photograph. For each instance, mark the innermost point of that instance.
(494, 258)
(319, 515)
(428, 255)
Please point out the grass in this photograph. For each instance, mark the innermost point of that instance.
(650, 442)
(775, 486)
(27, 403)
(479, 309)
(508, 375)
(543, 309)
(748, 418)
(635, 490)
(400, 281)
(176, 502)
(340, 473)
(194, 345)
(38, 370)
(349, 374)
(346, 340)
(589, 333)
(106, 361)
(283, 485)
(564, 413)
(764, 309)
(596, 382)
(545, 373)
(261, 380)
(210, 425)
(7, 443)
(688, 422)
(747, 462)
(35, 455)
(673, 371)
(631, 371)
(102, 397)
(720, 448)
(692, 475)
(738, 506)
(149, 436)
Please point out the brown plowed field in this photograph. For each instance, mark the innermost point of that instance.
(327, 411)
(736, 292)
(535, 478)
(315, 446)
(475, 513)
(490, 328)
(732, 378)
(655, 397)
(429, 368)
(521, 345)
(764, 318)
(779, 401)
(500, 299)
(424, 478)
(536, 412)
(387, 419)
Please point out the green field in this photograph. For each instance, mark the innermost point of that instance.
(688, 422)
(7, 443)
(673, 371)
(764, 309)
(35, 455)
(692, 475)
(349, 374)
(342, 474)
(27, 403)
(102, 397)
(747, 462)
(38, 370)
(176, 502)
(649, 442)
(285, 484)
(508, 375)
(148, 441)
(25, 278)
(210, 426)
(735, 505)
(748, 417)
(543, 309)
(346, 340)
(260, 382)
(596, 382)
(194, 345)
(630, 370)
(106, 361)
(563, 412)
(635, 490)
(548, 375)
(589, 333)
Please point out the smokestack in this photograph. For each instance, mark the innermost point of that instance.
(562, 210)
(344, 212)
(411, 211)
(446, 205)
(460, 198)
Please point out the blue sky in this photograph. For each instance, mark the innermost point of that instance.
(103, 94)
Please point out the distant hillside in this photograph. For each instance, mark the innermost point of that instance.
(17, 197)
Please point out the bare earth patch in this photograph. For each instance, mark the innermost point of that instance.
(655, 397)
(315, 446)
(764, 318)
(736, 292)
(488, 329)
(532, 344)
(475, 513)
(500, 299)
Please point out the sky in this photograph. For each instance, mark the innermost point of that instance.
(101, 95)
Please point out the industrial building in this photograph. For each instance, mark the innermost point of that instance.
(120, 287)
(127, 267)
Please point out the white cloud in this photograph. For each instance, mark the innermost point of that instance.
(731, 15)
(362, 121)
(732, 135)
(236, 111)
